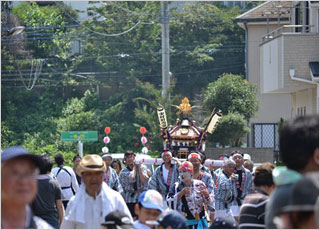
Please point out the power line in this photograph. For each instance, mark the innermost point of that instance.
(127, 55)
(99, 33)
(234, 65)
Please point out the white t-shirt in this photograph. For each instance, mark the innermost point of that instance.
(66, 179)
(165, 173)
(91, 211)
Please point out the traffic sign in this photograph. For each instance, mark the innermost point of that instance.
(79, 136)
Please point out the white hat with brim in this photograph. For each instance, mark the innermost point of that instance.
(104, 156)
(91, 163)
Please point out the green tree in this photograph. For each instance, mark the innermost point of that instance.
(232, 94)
(230, 130)
(202, 36)
(146, 111)
(236, 98)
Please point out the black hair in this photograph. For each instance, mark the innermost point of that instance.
(46, 165)
(59, 159)
(299, 218)
(236, 152)
(203, 157)
(129, 152)
(299, 138)
(117, 161)
(263, 175)
(75, 157)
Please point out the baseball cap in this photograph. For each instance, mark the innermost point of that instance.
(118, 219)
(246, 156)
(282, 175)
(170, 218)
(151, 199)
(18, 151)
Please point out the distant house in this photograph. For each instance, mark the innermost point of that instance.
(282, 59)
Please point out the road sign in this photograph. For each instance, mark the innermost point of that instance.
(79, 136)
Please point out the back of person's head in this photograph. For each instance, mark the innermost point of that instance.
(302, 202)
(59, 159)
(223, 223)
(46, 165)
(170, 219)
(228, 162)
(263, 175)
(117, 220)
(299, 139)
(248, 164)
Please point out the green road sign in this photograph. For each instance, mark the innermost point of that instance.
(79, 136)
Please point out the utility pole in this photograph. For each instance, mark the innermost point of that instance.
(165, 50)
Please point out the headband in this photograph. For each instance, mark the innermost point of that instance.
(186, 166)
(166, 153)
(194, 155)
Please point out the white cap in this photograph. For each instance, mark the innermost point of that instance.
(104, 156)
(246, 156)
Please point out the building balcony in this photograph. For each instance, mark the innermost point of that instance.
(285, 57)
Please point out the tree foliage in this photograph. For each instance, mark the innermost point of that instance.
(232, 94)
(236, 98)
(202, 37)
(230, 130)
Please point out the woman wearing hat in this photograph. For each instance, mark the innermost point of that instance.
(94, 200)
(191, 197)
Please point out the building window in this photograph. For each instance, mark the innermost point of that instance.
(265, 135)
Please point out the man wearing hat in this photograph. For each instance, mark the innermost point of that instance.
(111, 177)
(133, 179)
(19, 171)
(95, 199)
(164, 176)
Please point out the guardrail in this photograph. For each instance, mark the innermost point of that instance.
(295, 29)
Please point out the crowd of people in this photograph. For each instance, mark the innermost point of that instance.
(98, 193)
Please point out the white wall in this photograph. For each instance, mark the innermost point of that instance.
(270, 61)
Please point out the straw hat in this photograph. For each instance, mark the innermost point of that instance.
(92, 162)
